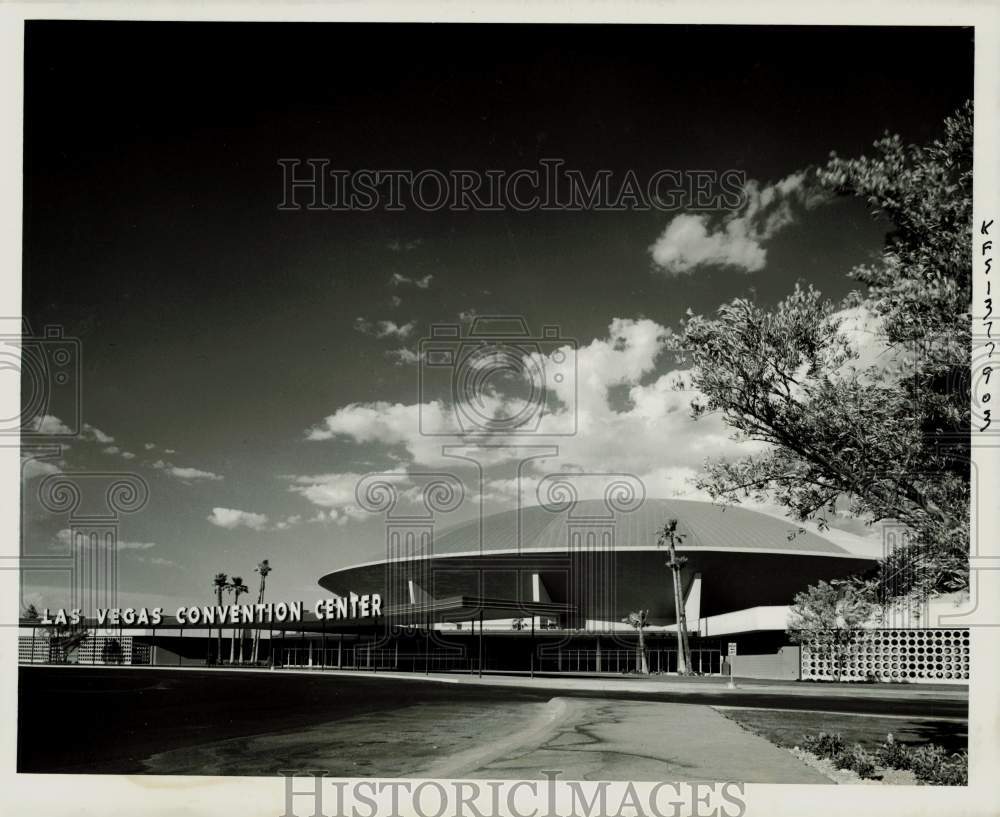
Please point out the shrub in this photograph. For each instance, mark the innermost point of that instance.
(825, 744)
(858, 760)
(954, 772)
(842, 761)
(892, 754)
(933, 767)
(925, 760)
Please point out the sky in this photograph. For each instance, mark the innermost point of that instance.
(249, 363)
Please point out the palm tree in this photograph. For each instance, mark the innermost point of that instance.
(237, 588)
(669, 536)
(639, 619)
(65, 639)
(220, 583)
(263, 568)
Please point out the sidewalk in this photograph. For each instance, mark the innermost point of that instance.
(597, 739)
(700, 686)
(713, 686)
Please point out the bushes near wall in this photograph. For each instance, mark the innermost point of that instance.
(930, 764)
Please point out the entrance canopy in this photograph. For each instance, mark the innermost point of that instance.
(459, 608)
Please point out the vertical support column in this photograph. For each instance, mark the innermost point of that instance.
(480, 642)
(322, 659)
(533, 650)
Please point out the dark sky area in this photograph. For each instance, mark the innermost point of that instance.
(214, 325)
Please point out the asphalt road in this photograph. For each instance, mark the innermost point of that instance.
(109, 720)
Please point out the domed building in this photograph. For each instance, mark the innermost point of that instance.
(548, 587)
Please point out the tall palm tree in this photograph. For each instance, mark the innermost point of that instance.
(220, 583)
(669, 536)
(263, 568)
(639, 619)
(237, 588)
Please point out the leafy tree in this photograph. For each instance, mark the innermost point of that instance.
(111, 651)
(65, 639)
(826, 617)
(883, 441)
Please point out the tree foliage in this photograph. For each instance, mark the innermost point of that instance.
(829, 606)
(882, 440)
(825, 617)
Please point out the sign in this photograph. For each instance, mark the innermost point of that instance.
(732, 648)
(351, 606)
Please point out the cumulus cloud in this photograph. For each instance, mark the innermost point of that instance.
(48, 424)
(690, 241)
(381, 422)
(149, 446)
(864, 332)
(32, 468)
(334, 493)
(96, 434)
(404, 356)
(423, 282)
(65, 537)
(403, 246)
(185, 473)
(158, 561)
(191, 473)
(115, 450)
(384, 329)
(231, 518)
(129, 545)
(287, 522)
(630, 410)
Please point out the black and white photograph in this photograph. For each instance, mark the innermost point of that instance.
(454, 416)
